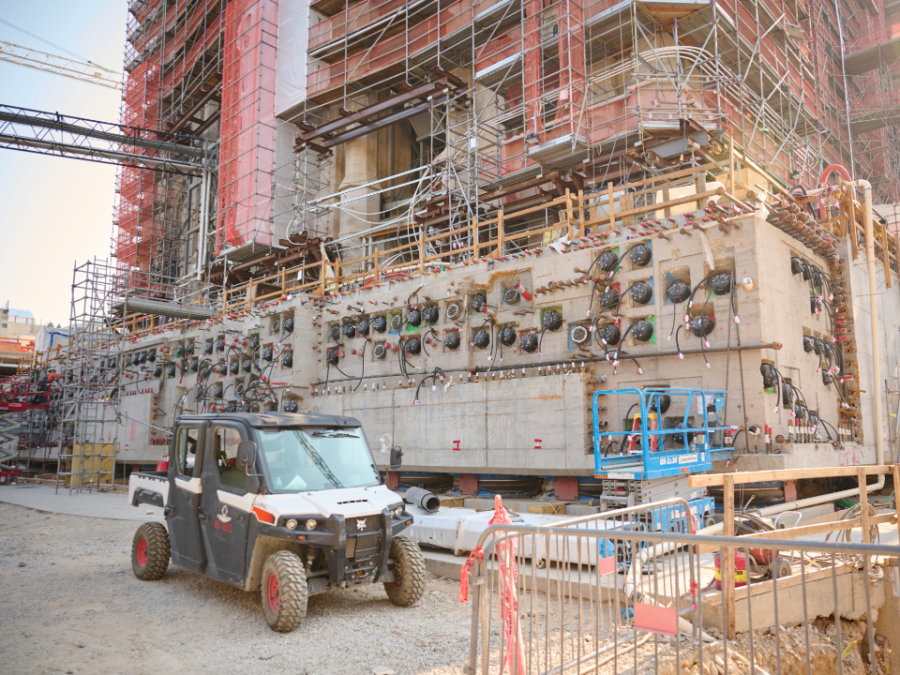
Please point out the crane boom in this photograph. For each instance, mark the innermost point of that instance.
(84, 71)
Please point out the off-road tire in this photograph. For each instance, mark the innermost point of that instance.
(284, 591)
(408, 566)
(783, 567)
(150, 552)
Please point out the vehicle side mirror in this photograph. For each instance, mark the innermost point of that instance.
(396, 457)
(246, 457)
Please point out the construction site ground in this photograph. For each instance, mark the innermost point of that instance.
(69, 603)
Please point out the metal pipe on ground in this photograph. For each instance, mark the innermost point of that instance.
(424, 499)
(652, 552)
(803, 503)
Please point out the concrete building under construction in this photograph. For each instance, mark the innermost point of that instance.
(459, 221)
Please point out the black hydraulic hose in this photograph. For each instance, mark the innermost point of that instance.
(619, 350)
(541, 339)
(830, 352)
(612, 274)
(362, 373)
(830, 313)
(823, 281)
(415, 294)
(818, 420)
(802, 397)
(703, 281)
(601, 342)
(432, 376)
(824, 353)
(779, 382)
(837, 388)
(620, 258)
(404, 361)
(618, 354)
(401, 358)
(494, 343)
(825, 425)
(342, 372)
(430, 332)
(703, 346)
(622, 296)
(674, 318)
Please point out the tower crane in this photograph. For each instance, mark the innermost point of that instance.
(84, 71)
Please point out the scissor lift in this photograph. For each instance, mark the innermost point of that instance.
(648, 461)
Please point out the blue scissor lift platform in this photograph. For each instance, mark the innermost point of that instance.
(672, 434)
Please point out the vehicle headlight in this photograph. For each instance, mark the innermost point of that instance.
(397, 512)
(311, 524)
(291, 524)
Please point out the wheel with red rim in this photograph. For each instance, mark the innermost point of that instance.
(407, 566)
(272, 592)
(150, 552)
(284, 591)
(142, 556)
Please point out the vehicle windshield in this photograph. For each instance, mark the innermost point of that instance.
(317, 458)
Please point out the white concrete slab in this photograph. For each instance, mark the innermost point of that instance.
(90, 504)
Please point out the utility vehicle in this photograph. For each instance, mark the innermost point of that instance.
(287, 504)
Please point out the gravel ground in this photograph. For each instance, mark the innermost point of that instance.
(69, 603)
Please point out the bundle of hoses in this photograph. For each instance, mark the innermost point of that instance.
(876, 574)
(425, 500)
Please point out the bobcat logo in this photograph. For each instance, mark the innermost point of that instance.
(361, 524)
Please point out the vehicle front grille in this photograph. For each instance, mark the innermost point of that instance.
(369, 535)
(368, 546)
(362, 525)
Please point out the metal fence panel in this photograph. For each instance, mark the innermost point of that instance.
(611, 593)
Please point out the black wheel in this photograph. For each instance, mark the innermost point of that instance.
(783, 568)
(408, 567)
(150, 552)
(284, 592)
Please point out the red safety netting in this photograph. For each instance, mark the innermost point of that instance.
(247, 151)
(391, 52)
(136, 233)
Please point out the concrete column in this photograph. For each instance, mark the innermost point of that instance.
(360, 168)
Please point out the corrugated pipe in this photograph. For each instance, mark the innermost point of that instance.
(424, 499)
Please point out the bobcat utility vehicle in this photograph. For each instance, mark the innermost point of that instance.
(288, 504)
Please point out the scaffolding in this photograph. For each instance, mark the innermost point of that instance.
(247, 157)
(173, 72)
(853, 50)
(109, 305)
(580, 95)
(91, 377)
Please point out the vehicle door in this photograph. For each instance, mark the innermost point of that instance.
(185, 489)
(226, 502)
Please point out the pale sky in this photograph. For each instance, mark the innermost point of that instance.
(54, 211)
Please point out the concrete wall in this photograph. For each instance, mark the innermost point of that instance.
(889, 346)
(502, 417)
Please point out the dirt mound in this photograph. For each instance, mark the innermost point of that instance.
(789, 646)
